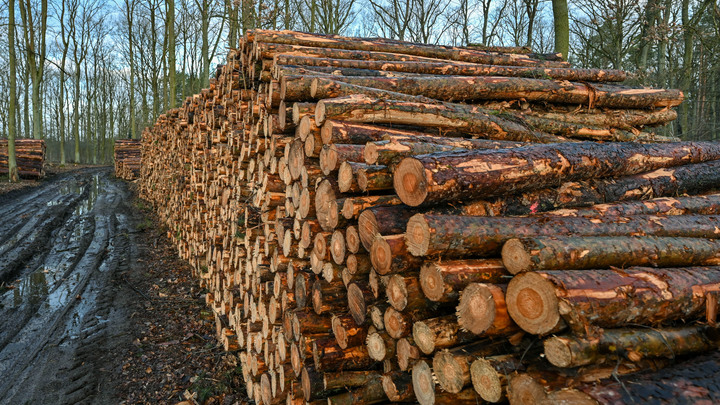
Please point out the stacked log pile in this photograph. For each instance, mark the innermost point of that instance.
(378, 220)
(127, 158)
(29, 155)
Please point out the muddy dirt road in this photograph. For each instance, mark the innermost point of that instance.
(60, 245)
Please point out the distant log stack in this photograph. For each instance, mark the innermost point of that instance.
(127, 158)
(29, 155)
(346, 203)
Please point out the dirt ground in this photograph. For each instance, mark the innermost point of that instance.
(95, 305)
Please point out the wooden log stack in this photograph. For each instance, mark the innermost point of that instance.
(29, 155)
(127, 158)
(382, 221)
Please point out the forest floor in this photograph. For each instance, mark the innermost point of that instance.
(96, 307)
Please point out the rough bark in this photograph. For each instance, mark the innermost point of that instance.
(460, 69)
(632, 344)
(476, 88)
(454, 176)
(454, 117)
(545, 302)
(443, 280)
(577, 253)
(462, 236)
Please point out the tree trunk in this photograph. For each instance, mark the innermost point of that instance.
(456, 117)
(475, 88)
(462, 236)
(546, 302)
(454, 176)
(12, 99)
(561, 24)
(440, 333)
(687, 179)
(459, 69)
(443, 280)
(482, 310)
(399, 47)
(170, 22)
(579, 253)
(633, 344)
(692, 381)
(489, 376)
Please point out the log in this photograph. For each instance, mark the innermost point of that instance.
(478, 174)
(546, 302)
(475, 88)
(688, 179)
(382, 220)
(631, 343)
(440, 333)
(376, 46)
(458, 236)
(442, 281)
(482, 310)
(460, 69)
(370, 393)
(456, 117)
(692, 381)
(347, 332)
(389, 255)
(398, 386)
(489, 375)
(578, 253)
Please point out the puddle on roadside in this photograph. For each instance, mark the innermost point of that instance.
(31, 289)
(96, 187)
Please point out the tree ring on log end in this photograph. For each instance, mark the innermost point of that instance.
(265, 388)
(339, 332)
(431, 281)
(396, 291)
(532, 303)
(320, 113)
(417, 235)
(476, 310)
(557, 352)
(356, 303)
(515, 258)
(448, 372)
(424, 337)
(370, 153)
(423, 383)
(376, 347)
(486, 381)
(524, 390)
(368, 229)
(381, 256)
(410, 183)
(305, 383)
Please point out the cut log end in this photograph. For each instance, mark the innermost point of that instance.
(448, 372)
(557, 352)
(476, 310)
(423, 383)
(345, 177)
(424, 337)
(396, 291)
(395, 323)
(532, 303)
(370, 153)
(339, 331)
(432, 282)
(417, 236)
(410, 182)
(376, 347)
(381, 256)
(390, 388)
(320, 113)
(266, 389)
(367, 228)
(486, 381)
(515, 258)
(524, 390)
(356, 303)
(306, 384)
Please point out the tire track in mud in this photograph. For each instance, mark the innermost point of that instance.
(61, 248)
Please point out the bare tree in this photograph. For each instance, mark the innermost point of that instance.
(12, 164)
(129, 19)
(35, 54)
